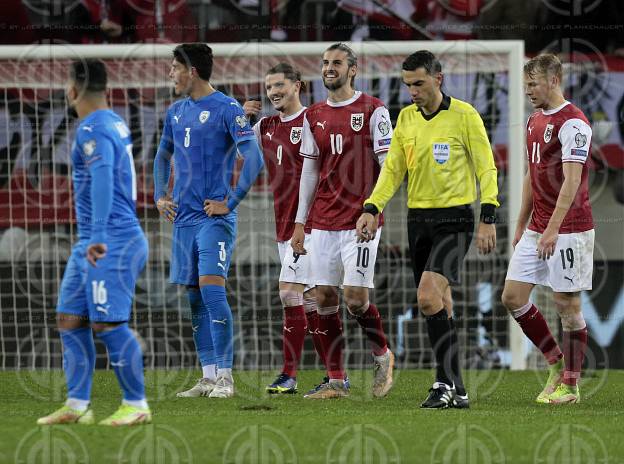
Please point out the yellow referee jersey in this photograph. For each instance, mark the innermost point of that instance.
(441, 155)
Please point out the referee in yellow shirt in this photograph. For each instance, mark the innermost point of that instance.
(441, 143)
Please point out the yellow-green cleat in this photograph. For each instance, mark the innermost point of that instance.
(128, 415)
(565, 394)
(67, 415)
(555, 377)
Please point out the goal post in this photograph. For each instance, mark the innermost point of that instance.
(36, 128)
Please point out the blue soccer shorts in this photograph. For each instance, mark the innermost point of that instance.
(202, 249)
(104, 293)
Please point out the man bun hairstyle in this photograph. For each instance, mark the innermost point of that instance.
(351, 56)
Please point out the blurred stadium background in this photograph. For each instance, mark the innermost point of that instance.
(36, 130)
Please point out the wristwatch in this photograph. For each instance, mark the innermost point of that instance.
(488, 213)
(370, 208)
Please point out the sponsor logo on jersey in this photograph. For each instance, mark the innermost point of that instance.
(241, 121)
(578, 152)
(384, 142)
(580, 140)
(530, 130)
(176, 117)
(87, 128)
(244, 133)
(357, 121)
(89, 147)
(295, 135)
(383, 126)
(322, 124)
(203, 116)
(441, 152)
(548, 132)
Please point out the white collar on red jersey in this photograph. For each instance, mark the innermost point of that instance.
(555, 110)
(293, 116)
(355, 96)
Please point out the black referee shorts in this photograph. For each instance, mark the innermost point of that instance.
(439, 239)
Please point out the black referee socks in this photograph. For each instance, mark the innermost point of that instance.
(445, 344)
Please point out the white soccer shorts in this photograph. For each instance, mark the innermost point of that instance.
(570, 269)
(296, 269)
(338, 259)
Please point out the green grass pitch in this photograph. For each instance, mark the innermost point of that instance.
(504, 425)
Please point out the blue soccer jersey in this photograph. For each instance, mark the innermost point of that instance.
(202, 135)
(103, 142)
(105, 195)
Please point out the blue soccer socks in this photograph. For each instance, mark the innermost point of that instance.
(126, 358)
(78, 362)
(222, 326)
(201, 325)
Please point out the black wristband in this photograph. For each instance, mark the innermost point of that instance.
(370, 208)
(488, 213)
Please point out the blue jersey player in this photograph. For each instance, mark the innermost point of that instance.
(98, 284)
(203, 133)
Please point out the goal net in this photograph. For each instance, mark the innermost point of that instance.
(37, 228)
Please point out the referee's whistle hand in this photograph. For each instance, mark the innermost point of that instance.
(298, 239)
(366, 227)
(486, 238)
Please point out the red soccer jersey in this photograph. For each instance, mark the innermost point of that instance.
(347, 138)
(280, 139)
(557, 136)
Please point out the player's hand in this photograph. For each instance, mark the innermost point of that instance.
(486, 238)
(517, 236)
(216, 208)
(366, 227)
(167, 208)
(547, 243)
(96, 251)
(297, 240)
(111, 28)
(252, 108)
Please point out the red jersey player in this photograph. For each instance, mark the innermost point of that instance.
(279, 137)
(344, 142)
(556, 249)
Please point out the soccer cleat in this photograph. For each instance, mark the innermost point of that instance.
(460, 402)
(440, 397)
(224, 388)
(326, 380)
(203, 387)
(128, 415)
(555, 377)
(336, 389)
(67, 415)
(383, 374)
(565, 394)
(283, 384)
